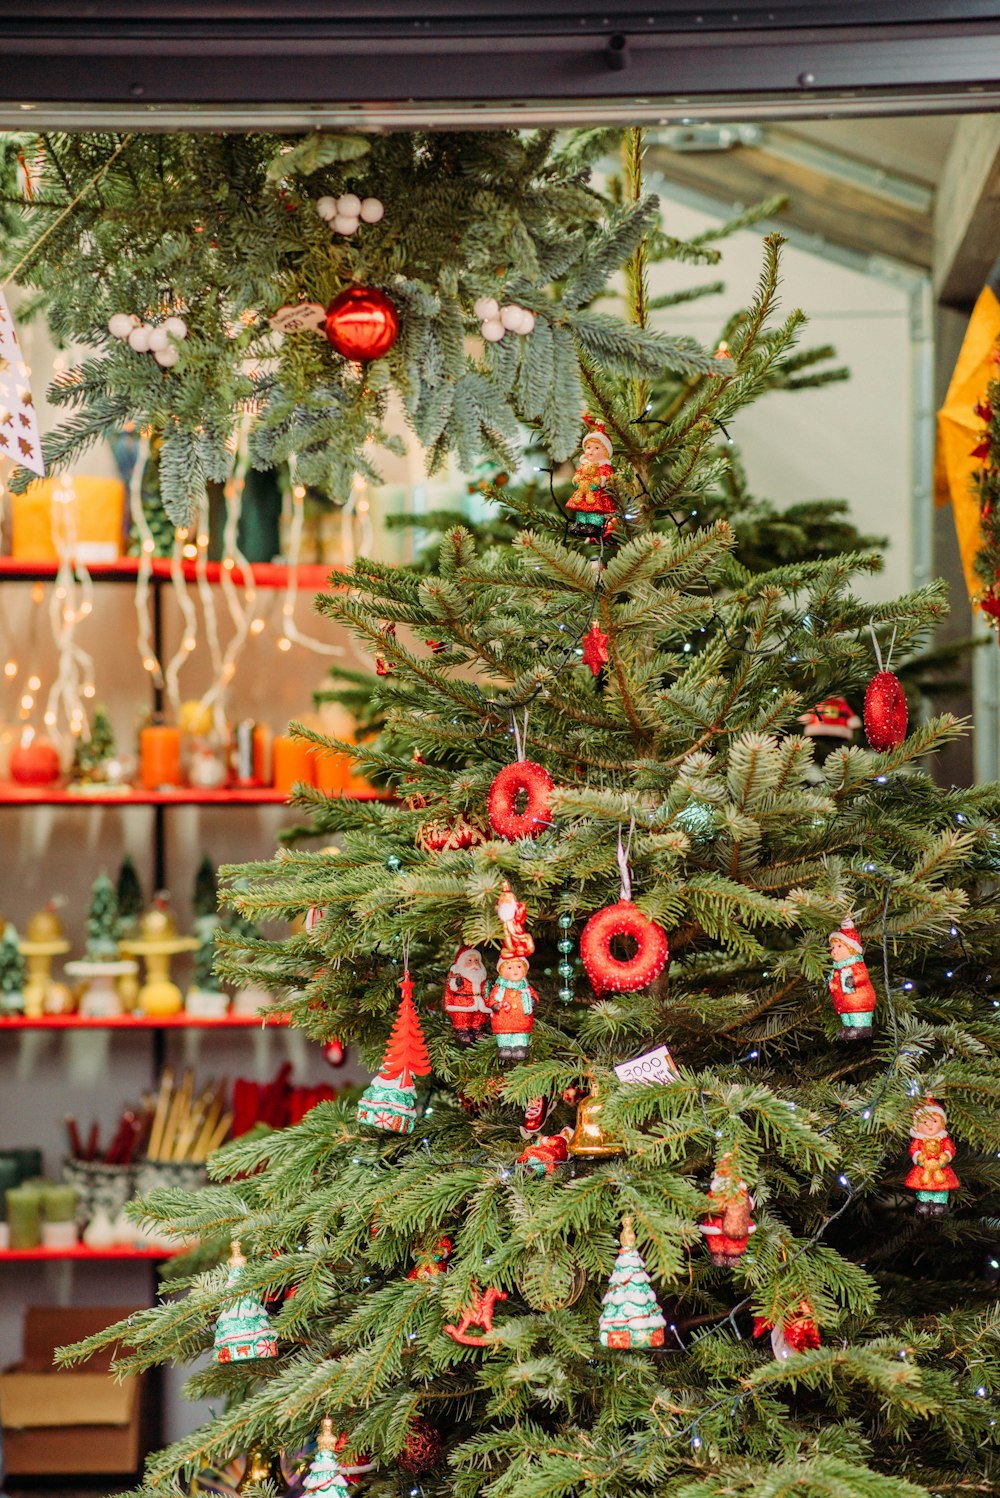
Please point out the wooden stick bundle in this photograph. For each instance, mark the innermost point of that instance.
(185, 1127)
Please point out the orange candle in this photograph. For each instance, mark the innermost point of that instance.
(262, 740)
(291, 760)
(160, 756)
(354, 781)
(332, 769)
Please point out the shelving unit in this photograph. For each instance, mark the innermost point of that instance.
(142, 1022)
(155, 805)
(80, 1253)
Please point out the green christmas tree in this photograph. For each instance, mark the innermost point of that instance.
(13, 972)
(709, 666)
(205, 905)
(324, 1475)
(630, 1316)
(91, 752)
(243, 1331)
(130, 898)
(102, 921)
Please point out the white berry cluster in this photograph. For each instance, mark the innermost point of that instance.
(495, 320)
(345, 213)
(147, 338)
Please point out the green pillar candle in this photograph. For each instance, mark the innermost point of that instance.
(10, 1175)
(58, 1203)
(23, 1203)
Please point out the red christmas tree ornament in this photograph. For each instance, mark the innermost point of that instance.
(595, 648)
(885, 712)
(423, 1447)
(797, 1333)
(479, 1312)
(335, 1052)
(465, 995)
(623, 975)
(440, 836)
(362, 324)
(534, 782)
(389, 1102)
(932, 1152)
(431, 1261)
(833, 718)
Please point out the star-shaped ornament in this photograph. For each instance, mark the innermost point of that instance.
(595, 648)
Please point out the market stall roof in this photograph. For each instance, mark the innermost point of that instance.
(407, 62)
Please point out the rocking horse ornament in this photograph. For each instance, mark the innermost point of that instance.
(479, 1312)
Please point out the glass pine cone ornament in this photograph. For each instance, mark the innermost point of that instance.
(630, 1315)
(362, 324)
(243, 1332)
(885, 712)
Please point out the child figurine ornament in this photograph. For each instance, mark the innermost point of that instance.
(729, 1223)
(850, 986)
(932, 1152)
(591, 508)
(511, 999)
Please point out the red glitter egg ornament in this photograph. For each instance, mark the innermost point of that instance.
(623, 975)
(362, 324)
(885, 712)
(534, 782)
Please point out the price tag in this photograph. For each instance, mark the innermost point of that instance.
(304, 316)
(654, 1066)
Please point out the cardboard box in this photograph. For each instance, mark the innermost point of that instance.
(59, 1421)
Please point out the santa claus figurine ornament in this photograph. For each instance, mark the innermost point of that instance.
(849, 984)
(729, 1223)
(885, 705)
(932, 1152)
(465, 995)
(512, 1000)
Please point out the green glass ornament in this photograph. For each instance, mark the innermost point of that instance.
(565, 944)
(565, 970)
(394, 863)
(565, 921)
(566, 995)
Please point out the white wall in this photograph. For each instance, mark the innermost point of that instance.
(848, 441)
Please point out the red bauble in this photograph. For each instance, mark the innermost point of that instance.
(423, 1447)
(885, 712)
(537, 785)
(362, 324)
(335, 1052)
(607, 972)
(34, 763)
(440, 836)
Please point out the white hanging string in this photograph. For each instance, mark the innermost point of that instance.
(189, 618)
(242, 613)
(622, 856)
(520, 733)
(147, 547)
(71, 600)
(205, 592)
(289, 629)
(878, 651)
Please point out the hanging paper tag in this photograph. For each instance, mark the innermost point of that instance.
(19, 437)
(654, 1066)
(303, 317)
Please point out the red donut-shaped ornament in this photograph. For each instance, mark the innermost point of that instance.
(885, 712)
(537, 785)
(617, 975)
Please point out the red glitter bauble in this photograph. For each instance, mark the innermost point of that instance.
(362, 324)
(607, 972)
(423, 1447)
(537, 785)
(885, 712)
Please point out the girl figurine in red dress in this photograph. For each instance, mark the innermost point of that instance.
(591, 506)
(932, 1153)
(850, 986)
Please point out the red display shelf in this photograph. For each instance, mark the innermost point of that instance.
(29, 795)
(141, 1022)
(310, 578)
(81, 1253)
